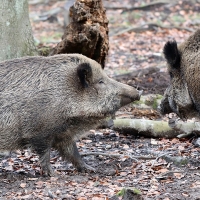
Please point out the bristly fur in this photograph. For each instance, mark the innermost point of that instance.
(183, 95)
(172, 54)
(44, 103)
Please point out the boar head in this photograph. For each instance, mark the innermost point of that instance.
(99, 94)
(182, 95)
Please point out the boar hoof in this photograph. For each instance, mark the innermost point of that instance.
(47, 172)
(85, 168)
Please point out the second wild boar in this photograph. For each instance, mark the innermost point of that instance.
(183, 94)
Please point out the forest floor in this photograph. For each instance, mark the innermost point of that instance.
(130, 161)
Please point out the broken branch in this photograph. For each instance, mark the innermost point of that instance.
(150, 26)
(148, 6)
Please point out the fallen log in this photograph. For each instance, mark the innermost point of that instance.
(150, 128)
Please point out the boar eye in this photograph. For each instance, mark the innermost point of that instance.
(101, 81)
(171, 75)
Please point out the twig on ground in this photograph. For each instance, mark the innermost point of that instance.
(167, 175)
(118, 155)
(150, 26)
(148, 6)
(160, 156)
(176, 160)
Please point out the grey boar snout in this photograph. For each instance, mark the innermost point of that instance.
(165, 107)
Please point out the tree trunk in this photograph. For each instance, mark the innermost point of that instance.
(15, 30)
(87, 32)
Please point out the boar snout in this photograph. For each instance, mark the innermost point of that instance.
(164, 107)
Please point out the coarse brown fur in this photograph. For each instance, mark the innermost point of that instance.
(51, 101)
(182, 96)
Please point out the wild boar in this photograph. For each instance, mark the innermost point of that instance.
(183, 94)
(51, 101)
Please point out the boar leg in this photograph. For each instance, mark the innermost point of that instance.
(70, 152)
(45, 163)
(42, 148)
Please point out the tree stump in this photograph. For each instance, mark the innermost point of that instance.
(87, 32)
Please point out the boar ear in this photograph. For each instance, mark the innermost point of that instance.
(84, 72)
(172, 54)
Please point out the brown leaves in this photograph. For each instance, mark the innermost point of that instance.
(145, 175)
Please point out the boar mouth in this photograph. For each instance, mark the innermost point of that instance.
(165, 107)
(126, 99)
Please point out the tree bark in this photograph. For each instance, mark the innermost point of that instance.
(87, 32)
(15, 30)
